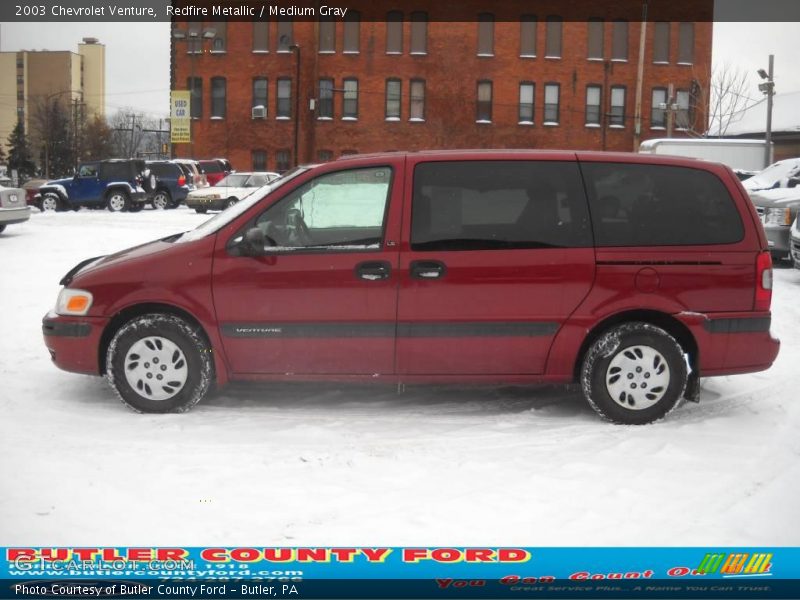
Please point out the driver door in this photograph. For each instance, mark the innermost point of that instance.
(86, 184)
(322, 299)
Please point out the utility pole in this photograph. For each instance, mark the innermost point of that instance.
(768, 88)
(637, 119)
(133, 127)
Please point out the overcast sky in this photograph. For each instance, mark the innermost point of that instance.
(137, 55)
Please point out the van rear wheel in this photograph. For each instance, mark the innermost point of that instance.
(634, 374)
(159, 363)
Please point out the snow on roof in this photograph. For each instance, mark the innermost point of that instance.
(785, 117)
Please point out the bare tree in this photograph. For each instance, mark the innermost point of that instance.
(727, 97)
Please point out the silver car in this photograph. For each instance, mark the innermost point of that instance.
(13, 208)
(777, 208)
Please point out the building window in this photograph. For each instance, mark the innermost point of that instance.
(485, 34)
(419, 33)
(324, 155)
(595, 39)
(260, 93)
(483, 108)
(261, 36)
(526, 94)
(617, 116)
(218, 93)
(683, 113)
(196, 101)
(416, 101)
(658, 113)
(220, 41)
(551, 100)
(325, 108)
(394, 32)
(282, 161)
(661, 42)
(527, 36)
(593, 95)
(552, 42)
(194, 39)
(327, 35)
(284, 106)
(619, 40)
(686, 43)
(259, 160)
(393, 94)
(348, 152)
(352, 32)
(350, 107)
(285, 34)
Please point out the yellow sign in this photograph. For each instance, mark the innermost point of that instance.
(181, 121)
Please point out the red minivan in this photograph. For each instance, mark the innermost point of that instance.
(634, 275)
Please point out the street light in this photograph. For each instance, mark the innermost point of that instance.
(296, 49)
(192, 37)
(768, 88)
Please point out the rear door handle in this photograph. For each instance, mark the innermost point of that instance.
(427, 269)
(373, 271)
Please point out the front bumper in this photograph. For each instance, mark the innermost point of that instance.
(9, 216)
(74, 342)
(206, 203)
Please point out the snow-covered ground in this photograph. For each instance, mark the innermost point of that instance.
(327, 464)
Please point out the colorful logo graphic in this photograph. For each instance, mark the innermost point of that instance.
(736, 563)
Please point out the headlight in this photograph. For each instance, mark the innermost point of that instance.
(73, 302)
(778, 216)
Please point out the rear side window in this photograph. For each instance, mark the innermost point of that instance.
(211, 166)
(492, 205)
(163, 170)
(119, 171)
(658, 205)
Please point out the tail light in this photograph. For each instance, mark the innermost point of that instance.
(763, 298)
(182, 180)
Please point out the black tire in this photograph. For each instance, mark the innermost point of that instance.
(634, 355)
(201, 211)
(136, 206)
(231, 202)
(118, 201)
(174, 348)
(162, 200)
(2, 228)
(51, 202)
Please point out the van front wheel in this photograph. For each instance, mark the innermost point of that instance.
(159, 363)
(634, 374)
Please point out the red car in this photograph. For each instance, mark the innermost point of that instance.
(215, 170)
(634, 275)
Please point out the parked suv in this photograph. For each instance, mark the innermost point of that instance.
(171, 185)
(487, 267)
(121, 184)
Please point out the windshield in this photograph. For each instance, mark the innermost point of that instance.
(237, 180)
(219, 221)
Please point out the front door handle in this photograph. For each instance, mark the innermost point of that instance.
(373, 271)
(427, 269)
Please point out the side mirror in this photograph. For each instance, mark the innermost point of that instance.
(253, 242)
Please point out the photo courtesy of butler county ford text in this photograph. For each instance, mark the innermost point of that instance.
(423, 299)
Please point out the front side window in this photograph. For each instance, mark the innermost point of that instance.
(218, 97)
(394, 32)
(527, 36)
(284, 106)
(526, 95)
(416, 102)
(595, 41)
(327, 35)
(393, 94)
(617, 116)
(551, 103)
(553, 37)
(261, 36)
(419, 32)
(661, 42)
(659, 105)
(619, 41)
(350, 103)
(498, 205)
(593, 94)
(325, 108)
(686, 43)
(485, 34)
(88, 170)
(484, 102)
(336, 211)
(659, 205)
(352, 32)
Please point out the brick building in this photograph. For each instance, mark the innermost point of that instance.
(503, 76)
